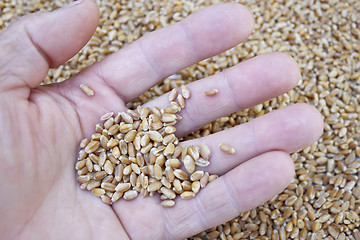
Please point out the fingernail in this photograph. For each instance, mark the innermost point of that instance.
(77, 2)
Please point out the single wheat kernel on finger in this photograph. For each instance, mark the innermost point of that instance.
(172, 95)
(116, 196)
(98, 191)
(170, 194)
(211, 92)
(168, 203)
(106, 116)
(189, 164)
(205, 151)
(154, 186)
(180, 174)
(194, 152)
(187, 195)
(130, 195)
(177, 186)
(195, 186)
(186, 185)
(165, 182)
(92, 146)
(83, 179)
(155, 136)
(185, 91)
(201, 162)
(80, 164)
(213, 177)
(181, 101)
(106, 199)
(196, 176)
(84, 142)
(204, 180)
(87, 90)
(226, 148)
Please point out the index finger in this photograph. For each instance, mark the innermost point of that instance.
(159, 54)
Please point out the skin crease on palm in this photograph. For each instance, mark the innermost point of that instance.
(41, 126)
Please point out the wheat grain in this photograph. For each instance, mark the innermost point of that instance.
(130, 195)
(87, 90)
(211, 92)
(185, 91)
(172, 95)
(226, 148)
(167, 203)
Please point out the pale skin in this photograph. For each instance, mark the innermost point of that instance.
(41, 127)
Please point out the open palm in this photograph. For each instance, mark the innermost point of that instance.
(41, 126)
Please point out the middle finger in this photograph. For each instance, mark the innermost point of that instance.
(242, 86)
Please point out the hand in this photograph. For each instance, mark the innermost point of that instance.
(41, 126)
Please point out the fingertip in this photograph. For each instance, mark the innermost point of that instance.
(60, 34)
(228, 24)
(260, 178)
(286, 64)
(264, 77)
(92, 9)
(240, 20)
(301, 120)
(278, 167)
(293, 68)
(246, 20)
(286, 167)
(314, 121)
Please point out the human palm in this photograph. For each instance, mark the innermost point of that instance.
(41, 126)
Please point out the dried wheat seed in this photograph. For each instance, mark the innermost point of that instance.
(185, 91)
(106, 116)
(226, 148)
(211, 92)
(130, 195)
(172, 95)
(168, 203)
(87, 90)
(187, 195)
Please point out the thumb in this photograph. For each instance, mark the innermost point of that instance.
(37, 42)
